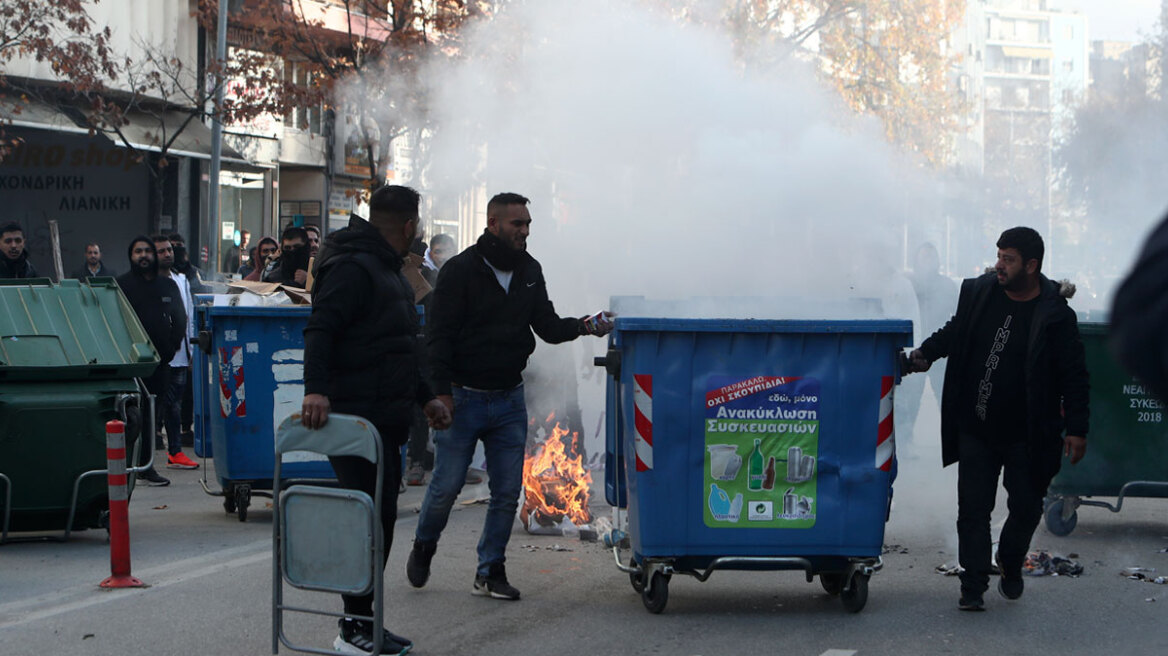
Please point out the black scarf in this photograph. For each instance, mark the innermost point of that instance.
(291, 262)
(497, 254)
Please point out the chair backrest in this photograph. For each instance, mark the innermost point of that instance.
(342, 435)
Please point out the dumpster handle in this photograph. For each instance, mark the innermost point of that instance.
(143, 393)
(76, 491)
(1122, 493)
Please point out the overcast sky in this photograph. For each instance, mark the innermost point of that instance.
(1116, 20)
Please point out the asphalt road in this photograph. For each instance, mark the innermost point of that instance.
(210, 591)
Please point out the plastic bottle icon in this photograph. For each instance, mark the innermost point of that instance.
(757, 476)
(768, 482)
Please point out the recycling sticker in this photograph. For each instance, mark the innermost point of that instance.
(762, 443)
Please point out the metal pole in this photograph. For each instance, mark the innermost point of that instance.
(216, 145)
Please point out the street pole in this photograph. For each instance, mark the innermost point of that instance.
(213, 236)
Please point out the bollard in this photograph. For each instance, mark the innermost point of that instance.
(119, 514)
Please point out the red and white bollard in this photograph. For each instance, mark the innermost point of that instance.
(119, 516)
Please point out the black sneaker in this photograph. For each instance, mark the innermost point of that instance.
(1010, 585)
(495, 585)
(356, 637)
(971, 601)
(418, 565)
(152, 478)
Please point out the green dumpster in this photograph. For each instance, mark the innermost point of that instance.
(71, 355)
(1127, 449)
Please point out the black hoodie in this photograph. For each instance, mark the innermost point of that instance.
(157, 303)
(360, 344)
(21, 267)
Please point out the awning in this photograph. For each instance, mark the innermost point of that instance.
(40, 115)
(149, 131)
(1027, 53)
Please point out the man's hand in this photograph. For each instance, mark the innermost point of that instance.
(918, 361)
(1075, 447)
(599, 324)
(314, 411)
(301, 276)
(438, 413)
(448, 401)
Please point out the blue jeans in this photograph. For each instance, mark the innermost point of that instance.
(499, 419)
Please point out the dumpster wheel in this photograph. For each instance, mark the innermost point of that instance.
(242, 500)
(1061, 516)
(855, 596)
(832, 582)
(656, 594)
(229, 503)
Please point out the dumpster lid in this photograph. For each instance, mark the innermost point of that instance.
(69, 331)
(898, 326)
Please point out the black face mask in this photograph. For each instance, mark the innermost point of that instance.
(293, 261)
(180, 256)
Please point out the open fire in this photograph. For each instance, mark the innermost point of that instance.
(555, 483)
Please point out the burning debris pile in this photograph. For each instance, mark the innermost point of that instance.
(556, 485)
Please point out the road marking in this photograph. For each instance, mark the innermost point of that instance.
(84, 596)
(840, 652)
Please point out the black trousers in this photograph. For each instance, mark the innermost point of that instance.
(157, 384)
(356, 473)
(418, 451)
(977, 487)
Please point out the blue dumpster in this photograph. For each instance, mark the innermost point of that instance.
(249, 376)
(749, 444)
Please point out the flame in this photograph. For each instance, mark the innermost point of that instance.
(556, 485)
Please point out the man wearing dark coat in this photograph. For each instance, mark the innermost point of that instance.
(93, 267)
(1014, 402)
(159, 306)
(14, 262)
(361, 358)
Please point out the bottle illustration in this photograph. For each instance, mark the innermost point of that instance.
(757, 476)
(768, 482)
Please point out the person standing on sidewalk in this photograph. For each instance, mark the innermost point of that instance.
(176, 379)
(1016, 382)
(488, 300)
(361, 358)
(158, 304)
(14, 262)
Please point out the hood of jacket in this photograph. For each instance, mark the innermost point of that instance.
(359, 237)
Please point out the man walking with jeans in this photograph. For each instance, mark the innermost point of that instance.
(1015, 401)
(488, 300)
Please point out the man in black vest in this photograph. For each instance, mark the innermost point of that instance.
(488, 300)
(361, 358)
(1016, 382)
(159, 306)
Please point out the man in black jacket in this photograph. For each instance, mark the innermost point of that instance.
(1139, 313)
(93, 267)
(159, 306)
(14, 262)
(361, 358)
(1016, 381)
(488, 300)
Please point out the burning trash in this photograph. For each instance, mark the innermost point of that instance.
(556, 485)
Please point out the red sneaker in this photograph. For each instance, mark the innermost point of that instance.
(181, 461)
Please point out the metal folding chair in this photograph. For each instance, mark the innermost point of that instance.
(326, 539)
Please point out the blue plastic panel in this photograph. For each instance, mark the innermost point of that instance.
(810, 391)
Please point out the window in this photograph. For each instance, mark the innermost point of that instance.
(306, 118)
(1068, 67)
(1068, 97)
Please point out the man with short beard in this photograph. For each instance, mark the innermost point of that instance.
(488, 300)
(1016, 382)
(93, 267)
(170, 402)
(14, 262)
(158, 304)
